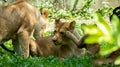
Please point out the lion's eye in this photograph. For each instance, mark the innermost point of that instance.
(67, 28)
(55, 31)
(61, 33)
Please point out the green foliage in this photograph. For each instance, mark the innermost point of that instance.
(105, 11)
(87, 5)
(110, 35)
(63, 13)
(102, 24)
(100, 31)
(108, 48)
(93, 31)
(85, 9)
(116, 29)
(48, 33)
(79, 28)
(9, 60)
(117, 62)
(56, 12)
(9, 44)
(75, 4)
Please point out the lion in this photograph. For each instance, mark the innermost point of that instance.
(17, 22)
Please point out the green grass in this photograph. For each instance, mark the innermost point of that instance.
(9, 60)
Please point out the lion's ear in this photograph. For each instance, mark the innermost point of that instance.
(72, 25)
(57, 21)
(45, 12)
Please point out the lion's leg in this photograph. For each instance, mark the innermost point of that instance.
(72, 37)
(37, 30)
(16, 46)
(23, 39)
(78, 42)
(37, 34)
(33, 48)
(77, 34)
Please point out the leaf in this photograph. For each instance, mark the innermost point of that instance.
(117, 61)
(118, 40)
(116, 29)
(95, 34)
(108, 48)
(91, 29)
(92, 39)
(115, 24)
(102, 24)
(106, 38)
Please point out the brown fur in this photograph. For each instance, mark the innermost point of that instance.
(42, 47)
(63, 27)
(61, 35)
(17, 21)
(46, 47)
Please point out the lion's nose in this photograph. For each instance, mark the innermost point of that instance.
(54, 39)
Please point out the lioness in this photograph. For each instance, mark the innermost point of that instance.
(17, 21)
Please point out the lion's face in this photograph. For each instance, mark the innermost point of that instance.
(61, 28)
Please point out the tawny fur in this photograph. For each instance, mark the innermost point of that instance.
(46, 47)
(17, 21)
